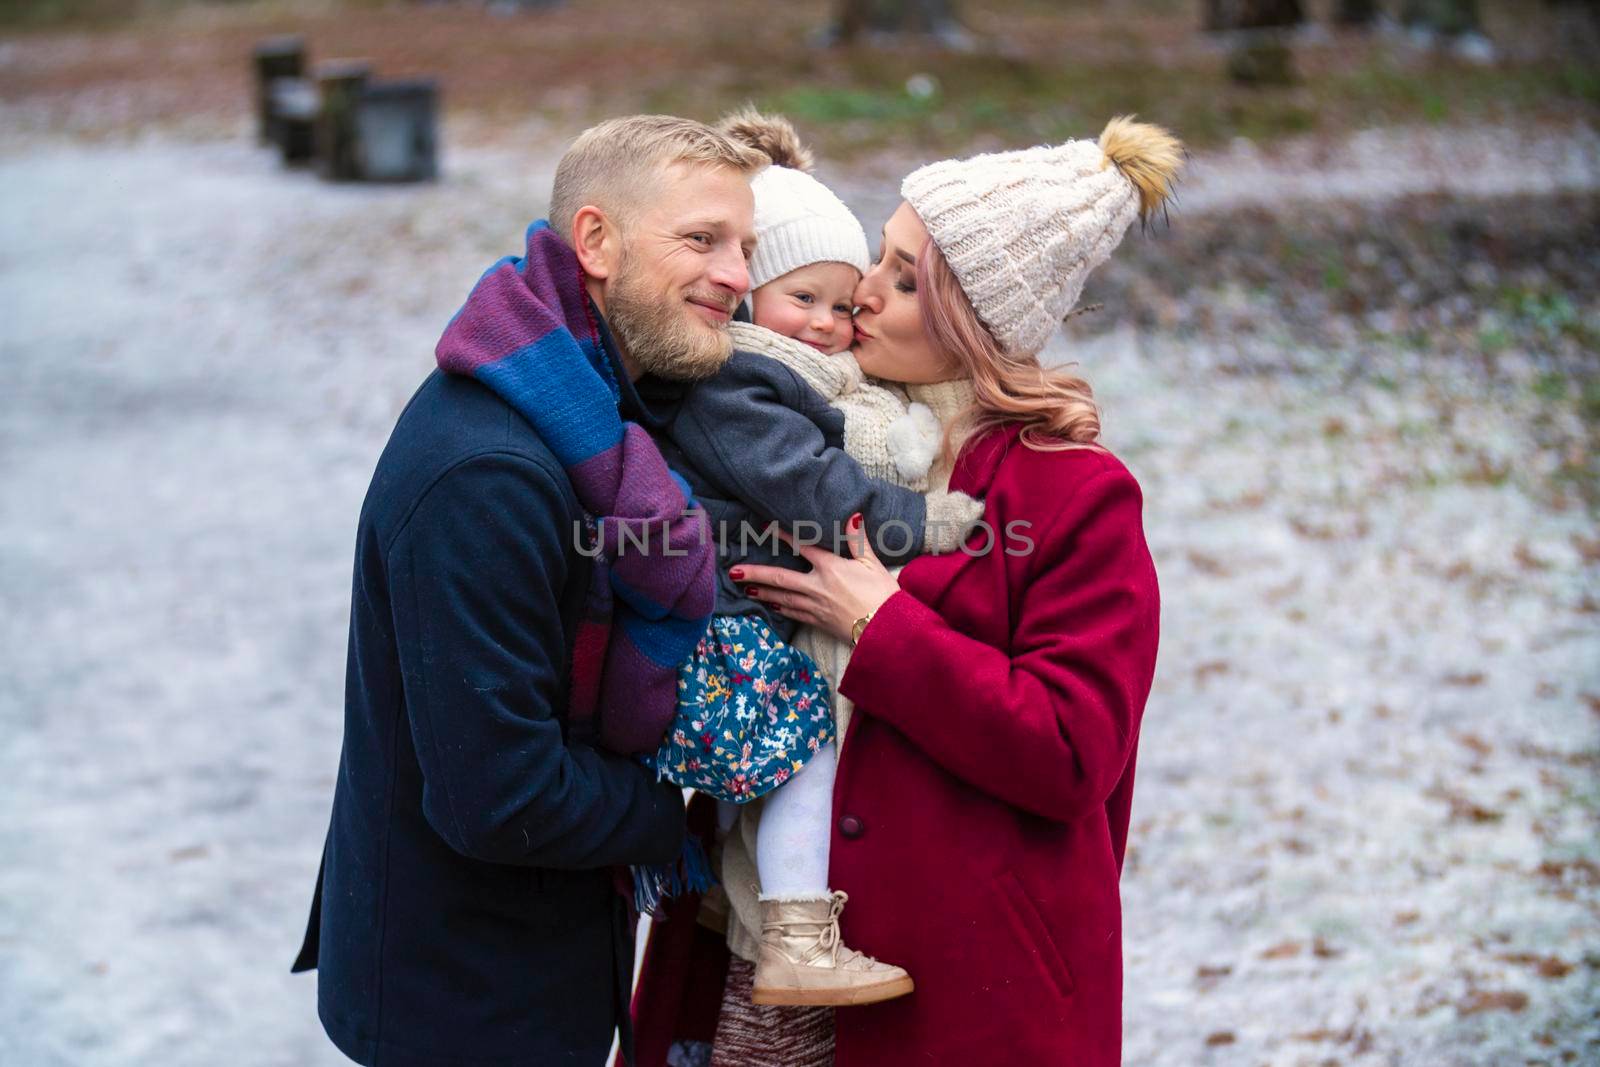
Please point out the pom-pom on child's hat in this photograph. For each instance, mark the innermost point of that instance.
(799, 221)
(1022, 230)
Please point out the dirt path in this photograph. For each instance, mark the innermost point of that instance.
(1366, 822)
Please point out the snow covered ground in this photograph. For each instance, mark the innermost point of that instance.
(1365, 830)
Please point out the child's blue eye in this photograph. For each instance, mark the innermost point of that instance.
(843, 309)
(804, 298)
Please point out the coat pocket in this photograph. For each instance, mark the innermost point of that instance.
(1038, 939)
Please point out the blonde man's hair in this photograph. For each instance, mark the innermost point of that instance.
(611, 165)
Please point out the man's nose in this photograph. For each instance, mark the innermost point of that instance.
(729, 271)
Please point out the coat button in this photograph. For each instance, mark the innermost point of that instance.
(852, 827)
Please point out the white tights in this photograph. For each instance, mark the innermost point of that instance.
(796, 827)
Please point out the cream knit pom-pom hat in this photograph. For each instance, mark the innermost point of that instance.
(799, 221)
(1022, 230)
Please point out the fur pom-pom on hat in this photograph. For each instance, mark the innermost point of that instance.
(1022, 231)
(799, 221)
(772, 135)
(1147, 155)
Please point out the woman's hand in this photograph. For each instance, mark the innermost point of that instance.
(834, 594)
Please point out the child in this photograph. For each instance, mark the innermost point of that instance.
(791, 431)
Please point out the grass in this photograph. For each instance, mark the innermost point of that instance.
(1551, 387)
(1552, 316)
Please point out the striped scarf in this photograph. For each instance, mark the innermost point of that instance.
(527, 331)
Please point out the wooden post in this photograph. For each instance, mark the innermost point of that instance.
(339, 86)
(273, 58)
(397, 130)
(294, 116)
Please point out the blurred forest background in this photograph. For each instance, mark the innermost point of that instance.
(1356, 370)
(993, 72)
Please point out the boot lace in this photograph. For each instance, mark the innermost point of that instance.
(828, 940)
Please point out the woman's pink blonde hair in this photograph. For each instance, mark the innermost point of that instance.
(1055, 406)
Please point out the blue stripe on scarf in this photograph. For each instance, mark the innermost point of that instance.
(588, 343)
(662, 640)
(563, 397)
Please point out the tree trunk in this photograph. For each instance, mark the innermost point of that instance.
(1359, 13)
(1259, 54)
(924, 18)
(1261, 58)
(1219, 15)
(1448, 18)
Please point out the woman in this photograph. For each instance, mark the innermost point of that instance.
(985, 781)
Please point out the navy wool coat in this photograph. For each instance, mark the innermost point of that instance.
(465, 911)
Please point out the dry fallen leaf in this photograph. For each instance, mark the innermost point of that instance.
(1543, 966)
(1588, 547)
(1483, 1000)
(1527, 560)
(1207, 564)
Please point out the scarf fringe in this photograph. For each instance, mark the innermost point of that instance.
(655, 883)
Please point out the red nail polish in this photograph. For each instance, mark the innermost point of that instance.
(855, 521)
(736, 573)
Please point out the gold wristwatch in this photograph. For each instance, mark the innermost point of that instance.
(859, 626)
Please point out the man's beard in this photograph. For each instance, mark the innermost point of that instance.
(658, 332)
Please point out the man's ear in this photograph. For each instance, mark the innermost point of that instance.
(596, 241)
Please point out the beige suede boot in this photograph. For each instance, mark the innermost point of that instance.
(803, 962)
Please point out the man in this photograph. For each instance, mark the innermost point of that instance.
(466, 910)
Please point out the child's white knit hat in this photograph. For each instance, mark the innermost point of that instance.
(799, 221)
(1022, 230)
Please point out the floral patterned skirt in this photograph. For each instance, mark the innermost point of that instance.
(752, 711)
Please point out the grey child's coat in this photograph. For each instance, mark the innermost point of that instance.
(759, 443)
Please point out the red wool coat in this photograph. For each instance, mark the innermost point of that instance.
(982, 802)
